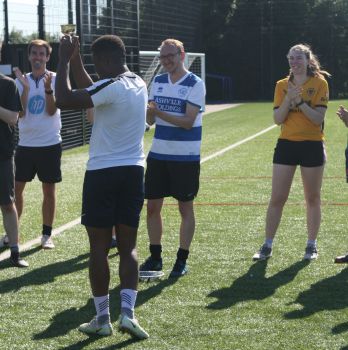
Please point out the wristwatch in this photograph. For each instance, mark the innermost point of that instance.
(49, 92)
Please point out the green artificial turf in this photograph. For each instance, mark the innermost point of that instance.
(226, 301)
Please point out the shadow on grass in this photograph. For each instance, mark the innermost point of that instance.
(83, 343)
(340, 328)
(155, 288)
(327, 294)
(69, 320)
(43, 275)
(5, 264)
(253, 285)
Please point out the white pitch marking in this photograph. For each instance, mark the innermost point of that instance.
(75, 222)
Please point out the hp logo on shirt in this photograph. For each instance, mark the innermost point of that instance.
(36, 104)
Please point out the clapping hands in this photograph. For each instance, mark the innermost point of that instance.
(294, 94)
(343, 115)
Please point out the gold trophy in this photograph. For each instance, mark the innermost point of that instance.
(68, 29)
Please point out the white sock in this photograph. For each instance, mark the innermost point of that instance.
(269, 242)
(312, 242)
(128, 298)
(102, 305)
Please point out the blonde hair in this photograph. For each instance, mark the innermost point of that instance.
(174, 42)
(40, 43)
(313, 68)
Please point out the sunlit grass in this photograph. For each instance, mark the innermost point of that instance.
(226, 301)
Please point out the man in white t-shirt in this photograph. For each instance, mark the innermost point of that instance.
(173, 164)
(39, 148)
(113, 192)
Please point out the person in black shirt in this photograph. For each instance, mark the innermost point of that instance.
(10, 105)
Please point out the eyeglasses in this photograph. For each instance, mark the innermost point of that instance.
(170, 56)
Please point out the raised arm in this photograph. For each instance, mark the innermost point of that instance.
(65, 97)
(51, 107)
(81, 77)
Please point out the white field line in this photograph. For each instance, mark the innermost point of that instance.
(75, 222)
(234, 145)
(27, 245)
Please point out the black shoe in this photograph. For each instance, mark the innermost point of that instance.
(151, 264)
(179, 269)
(17, 261)
(343, 259)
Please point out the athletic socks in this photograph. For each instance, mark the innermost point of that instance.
(46, 230)
(128, 298)
(14, 250)
(102, 307)
(182, 255)
(312, 242)
(156, 250)
(269, 242)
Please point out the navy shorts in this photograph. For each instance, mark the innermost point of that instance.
(171, 179)
(113, 196)
(304, 153)
(7, 181)
(43, 161)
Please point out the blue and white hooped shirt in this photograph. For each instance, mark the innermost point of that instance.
(171, 142)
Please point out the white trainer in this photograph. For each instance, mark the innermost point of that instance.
(93, 327)
(46, 242)
(132, 327)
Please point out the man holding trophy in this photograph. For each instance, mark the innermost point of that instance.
(113, 192)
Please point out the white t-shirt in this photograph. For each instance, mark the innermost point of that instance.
(37, 128)
(119, 122)
(171, 142)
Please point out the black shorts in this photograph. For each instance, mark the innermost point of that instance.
(6, 181)
(113, 196)
(43, 161)
(305, 153)
(171, 179)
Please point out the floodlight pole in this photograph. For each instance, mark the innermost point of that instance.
(6, 29)
(41, 16)
(70, 12)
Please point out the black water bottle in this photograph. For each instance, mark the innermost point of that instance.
(346, 153)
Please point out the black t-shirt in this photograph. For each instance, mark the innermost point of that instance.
(9, 99)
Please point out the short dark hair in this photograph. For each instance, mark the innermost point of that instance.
(40, 43)
(110, 45)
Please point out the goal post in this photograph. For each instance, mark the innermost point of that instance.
(150, 65)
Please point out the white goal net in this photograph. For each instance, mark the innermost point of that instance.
(150, 64)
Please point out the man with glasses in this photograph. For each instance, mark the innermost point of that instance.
(176, 103)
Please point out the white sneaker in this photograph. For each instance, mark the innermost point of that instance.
(132, 327)
(4, 241)
(263, 254)
(46, 242)
(311, 253)
(94, 327)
